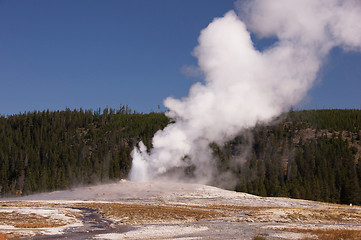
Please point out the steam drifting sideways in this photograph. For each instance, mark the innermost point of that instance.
(244, 86)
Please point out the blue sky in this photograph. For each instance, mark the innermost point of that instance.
(85, 53)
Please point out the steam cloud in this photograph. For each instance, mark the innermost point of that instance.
(244, 86)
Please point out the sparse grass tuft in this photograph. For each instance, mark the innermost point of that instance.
(259, 238)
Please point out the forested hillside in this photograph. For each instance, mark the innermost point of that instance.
(304, 154)
(44, 151)
(312, 155)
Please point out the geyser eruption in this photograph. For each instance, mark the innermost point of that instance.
(244, 86)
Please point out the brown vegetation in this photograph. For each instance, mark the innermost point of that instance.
(31, 220)
(136, 213)
(268, 217)
(27, 224)
(329, 234)
(3, 236)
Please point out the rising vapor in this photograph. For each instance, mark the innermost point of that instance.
(243, 86)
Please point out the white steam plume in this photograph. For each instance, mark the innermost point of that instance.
(244, 86)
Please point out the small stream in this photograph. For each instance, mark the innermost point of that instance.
(93, 224)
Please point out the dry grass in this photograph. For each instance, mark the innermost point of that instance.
(331, 215)
(337, 234)
(136, 213)
(31, 220)
(284, 214)
(178, 213)
(3, 236)
(243, 208)
(21, 204)
(329, 234)
(15, 235)
(337, 214)
(27, 224)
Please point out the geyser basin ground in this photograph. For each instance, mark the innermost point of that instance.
(159, 210)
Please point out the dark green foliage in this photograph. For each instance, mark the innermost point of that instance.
(334, 120)
(43, 151)
(310, 155)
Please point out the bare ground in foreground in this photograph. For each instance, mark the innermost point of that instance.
(156, 210)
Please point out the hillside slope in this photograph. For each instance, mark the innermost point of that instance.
(304, 154)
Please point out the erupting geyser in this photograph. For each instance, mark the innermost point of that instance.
(244, 86)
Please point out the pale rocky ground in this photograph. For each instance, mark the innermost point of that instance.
(169, 210)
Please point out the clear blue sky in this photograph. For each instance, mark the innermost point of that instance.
(94, 53)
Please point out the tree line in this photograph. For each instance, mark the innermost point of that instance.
(313, 154)
(45, 151)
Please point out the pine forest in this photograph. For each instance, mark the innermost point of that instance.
(313, 154)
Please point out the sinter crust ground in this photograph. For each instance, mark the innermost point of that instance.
(167, 210)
